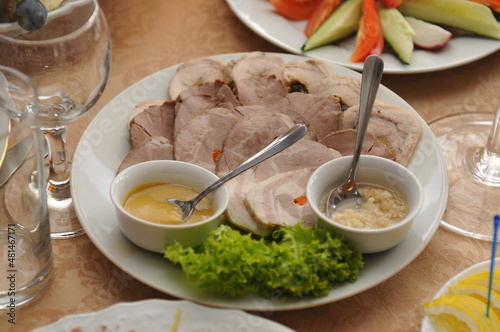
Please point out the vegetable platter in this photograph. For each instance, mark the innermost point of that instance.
(440, 46)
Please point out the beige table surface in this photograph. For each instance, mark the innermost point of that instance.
(149, 35)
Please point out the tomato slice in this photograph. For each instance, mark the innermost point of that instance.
(294, 9)
(392, 3)
(368, 36)
(322, 11)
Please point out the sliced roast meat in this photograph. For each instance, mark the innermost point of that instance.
(259, 90)
(144, 105)
(280, 200)
(194, 72)
(323, 114)
(278, 108)
(201, 140)
(201, 98)
(393, 126)
(255, 64)
(344, 140)
(236, 212)
(248, 136)
(152, 148)
(306, 73)
(304, 153)
(344, 87)
(209, 88)
(157, 120)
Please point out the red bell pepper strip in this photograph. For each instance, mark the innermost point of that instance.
(392, 3)
(324, 9)
(368, 34)
(494, 4)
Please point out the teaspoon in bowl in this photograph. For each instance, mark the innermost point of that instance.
(370, 80)
(286, 139)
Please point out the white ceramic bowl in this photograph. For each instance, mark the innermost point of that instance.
(371, 170)
(153, 236)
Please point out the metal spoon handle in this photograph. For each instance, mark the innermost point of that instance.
(286, 139)
(370, 80)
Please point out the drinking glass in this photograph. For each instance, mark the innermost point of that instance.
(69, 61)
(471, 146)
(25, 242)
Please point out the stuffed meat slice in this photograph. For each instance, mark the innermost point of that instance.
(201, 140)
(394, 126)
(156, 120)
(280, 200)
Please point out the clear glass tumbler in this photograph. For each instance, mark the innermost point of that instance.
(25, 242)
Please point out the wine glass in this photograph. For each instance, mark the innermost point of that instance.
(69, 61)
(471, 146)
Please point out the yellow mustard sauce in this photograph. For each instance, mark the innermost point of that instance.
(149, 202)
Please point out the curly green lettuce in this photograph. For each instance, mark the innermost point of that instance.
(296, 261)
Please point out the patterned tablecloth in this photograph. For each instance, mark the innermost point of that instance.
(149, 35)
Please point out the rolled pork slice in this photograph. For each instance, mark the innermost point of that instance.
(305, 153)
(393, 126)
(201, 140)
(278, 108)
(344, 140)
(194, 72)
(280, 200)
(201, 98)
(323, 114)
(307, 73)
(255, 64)
(157, 120)
(249, 135)
(346, 88)
(152, 148)
(144, 105)
(259, 90)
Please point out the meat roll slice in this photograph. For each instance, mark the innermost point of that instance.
(259, 90)
(280, 200)
(344, 140)
(250, 135)
(278, 108)
(156, 120)
(305, 153)
(392, 125)
(346, 88)
(144, 105)
(152, 148)
(201, 140)
(201, 98)
(306, 73)
(194, 72)
(323, 114)
(255, 64)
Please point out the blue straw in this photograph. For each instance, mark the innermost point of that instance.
(496, 221)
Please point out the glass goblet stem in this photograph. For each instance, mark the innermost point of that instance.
(62, 216)
(484, 163)
(59, 166)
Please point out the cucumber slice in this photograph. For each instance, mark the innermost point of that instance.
(398, 32)
(461, 14)
(343, 22)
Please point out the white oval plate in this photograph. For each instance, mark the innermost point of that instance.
(259, 16)
(479, 267)
(158, 316)
(104, 144)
